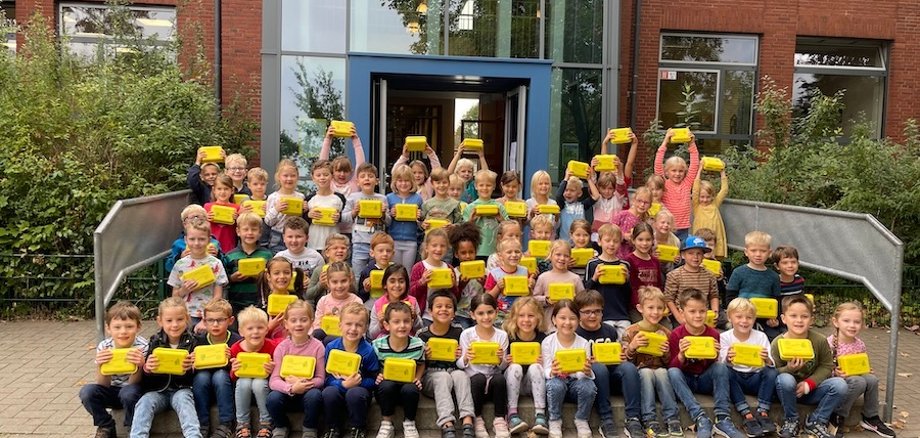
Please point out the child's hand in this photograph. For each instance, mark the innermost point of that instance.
(354, 133)
(188, 286)
(470, 356)
(765, 356)
(594, 158)
(730, 357)
(357, 212)
(292, 380)
(185, 252)
(330, 132)
(393, 211)
(606, 140)
(314, 214)
(427, 352)
(717, 346)
(200, 156)
(352, 381)
(426, 277)
(587, 370)
(840, 373)
(567, 174)
(668, 135)
(134, 356)
(428, 149)
(801, 389)
(723, 174)
(200, 327)
(597, 273)
(246, 208)
(236, 277)
(152, 364)
(555, 371)
(322, 279)
(405, 149)
(379, 379)
(210, 216)
(639, 341)
(795, 364)
(509, 357)
(275, 322)
(336, 216)
(632, 137)
(281, 205)
(501, 354)
(212, 250)
(458, 353)
(366, 283)
(103, 356)
(473, 216)
(298, 386)
(773, 322)
(268, 367)
(418, 384)
(425, 225)
(459, 150)
(684, 345)
(234, 365)
(665, 347)
(188, 362)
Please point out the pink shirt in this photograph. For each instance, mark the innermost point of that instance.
(676, 196)
(313, 348)
(328, 305)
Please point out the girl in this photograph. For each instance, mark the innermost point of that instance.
(434, 247)
(404, 233)
(342, 180)
(486, 379)
(511, 187)
(578, 387)
(612, 190)
(419, 170)
(706, 213)
(525, 324)
(655, 184)
(627, 219)
(540, 186)
(336, 251)
(848, 321)
(509, 257)
(509, 229)
(399, 344)
(465, 168)
(580, 233)
(293, 392)
(286, 178)
(644, 268)
(464, 239)
(395, 284)
(341, 292)
(663, 224)
(275, 281)
(560, 257)
(678, 182)
(222, 194)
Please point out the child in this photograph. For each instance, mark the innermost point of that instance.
(580, 234)
(848, 321)
(275, 281)
(644, 268)
(351, 394)
(744, 379)
(396, 289)
(455, 187)
(616, 296)
(809, 382)
(253, 329)
(302, 257)
(244, 290)
(341, 293)
(663, 224)
(163, 390)
(525, 324)
(561, 386)
(754, 279)
(703, 376)
(464, 238)
(541, 228)
(292, 392)
(725, 271)
(404, 233)
(511, 187)
(336, 251)
(627, 219)
(560, 255)
(222, 194)
(691, 275)
(419, 170)
(323, 197)
(434, 247)
(218, 317)
(509, 229)
(786, 261)
(464, 169)
(236, 169)
(364, 228)
(196, 236)
(442, 205)
(257, 181)
(443, 381)
(706, 202)
(193, 212)
(488, 225)
(653, 369)
(398, 321)
(342, 180)
(612, 191)
(678, 182)
(486, 380)
(576, 203)
(623, 377)
(509, 256)
(630, 156)
(120, 391)
(382, 249)
(201, 178)
(655, 184)
(286, 178)
(540, 187)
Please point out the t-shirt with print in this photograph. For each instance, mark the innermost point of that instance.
(643, 273)
(504, 302)
(317, 235)
(196, 300)
(488, 226)
(448, 208)
(140, 342)
(307, 261)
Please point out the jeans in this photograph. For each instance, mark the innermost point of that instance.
(216, 382)
(390, 394)
(246, 388)
(828, 395)
(404, 253)
(682, 234)
(866, 386)
(360, 257)
(310, 403)
(96, 398)
(581, 391)
(444, 386)
(534, 384)
(483, 386)
(761, 383)
(713, 381)
(656, 381)
(356, 402)
(626, 381)
(153, 403)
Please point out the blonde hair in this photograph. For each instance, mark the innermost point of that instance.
(343, 267)
(283, 164)
(741, 305)
(403, 172)
(843, 307)
(419, 164)
(257, 174)
(218, 305)
(510, 323)
(300, 304)
(214, 165)
(503, 244)
(172, 303)
(485, 175)
(341, 164)
(605, 180)
(655, 182)
(610, 230)
(575, 182)
(437, 233)
(251, 315)
(541, 221)
(465, 162)
(454, 180)
(580, 224)
(665, 214)
(202, 226)
(643, 192)
(674, 161)
(537, 176)
(707, 187)
(506, 224)
(757, 238)
(440, 174)
(235, 158)
(354, 309)
(647, 293)
(336, 238)
(249, 220)
(192, 209)
(560, 244)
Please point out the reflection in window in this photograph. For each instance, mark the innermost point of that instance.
(688, 99)
(394, 26)
(576, 124)
(313, 26)
(697, 48)
(465, 19)
(494, 28)
(87, 25)
(575, 31)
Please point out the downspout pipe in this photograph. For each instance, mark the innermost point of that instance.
(218, 73)
(634, 67)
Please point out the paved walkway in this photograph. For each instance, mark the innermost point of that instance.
(44, 363)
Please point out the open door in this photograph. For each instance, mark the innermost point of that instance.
(378, 146)
(515, 126)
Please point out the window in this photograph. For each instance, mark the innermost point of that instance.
(87, 25)
(856, 67)
(706, 82)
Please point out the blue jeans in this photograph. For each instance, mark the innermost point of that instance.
(828, 395)
(353, 404)
(581, 391)
(360, 257)
(310, 403)
(626, 381)
(682, 234)
(245, 390)
(96, 398)
(207, 385)
(152, 403)
(656, 381)
(713, 381)
(761, 383)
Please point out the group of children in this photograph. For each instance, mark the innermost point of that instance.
(479, 318)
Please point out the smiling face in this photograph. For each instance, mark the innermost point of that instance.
(560, 259)
(295, 240)
(336, 252)
(322, 178)
(435, 248)
(484, 188)
(693, 257)
(197, 242)
(395, 286)
(353, 326)
(367, 181)
(465, 251)
(339, 284)
(580, 238)
(382, 253)
(590, 316)
(643, 242)
(174, 322)
(676, 173)
(440, 187)
(465, 172)
(253, 332)
(341, 176)
(510, 254)
(705, 197)
(418, 173)
(652, 310)
(279, 275)
(399, 325)
(541, 232)
(662, 224)
(566, 321)
(527, 320)
(298, 323)
(257, 187)
(209, 174)
(797, 318)
(788, 266)
(742, 321)
(542, 186)
(403, 186)
(642, 203)
(442, 310)
(249, 234)
(123, 331)
(484, 315)
(849, 323)
(455, 190)
(511, 189)
(287, 179)
(695, 314)
(757, 254)
(571, 193)
(222, 193)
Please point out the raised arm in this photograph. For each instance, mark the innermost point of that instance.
(631, 157)
(327, 144)
(453, 162)
(723, 189)
(694, 160)
(659, 155)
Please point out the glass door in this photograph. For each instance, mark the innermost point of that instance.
(515, 129)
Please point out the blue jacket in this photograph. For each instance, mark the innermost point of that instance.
(179, 245)
(370, 366)
(403, 230)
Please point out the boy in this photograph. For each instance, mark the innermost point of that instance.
(257, 180)
(162, 391)
(364, 228)
(576, 203)
(193, 212)
(244, 290)
(617, 297)
(722, 277)
(197, 234)
(236, 169)
(295, 239)
(754, 280)
(691, 275)
(201, 178)
(703, 376)
(218, 317)
(351, 394)
(323, 197)
(807, 381)
(442, 205)
(653, 369)
(786, 261)
(455, 189)
(744, 379)
(488, 225)
(382, 248)
(336, 251)
(542, 227)
(253, 330)
(122, 323)
(443, 381)
(623, 377)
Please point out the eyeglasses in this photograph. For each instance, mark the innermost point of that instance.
(236, 169)
(590, 312)
(215, 321)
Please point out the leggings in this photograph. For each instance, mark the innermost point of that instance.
(489, 387)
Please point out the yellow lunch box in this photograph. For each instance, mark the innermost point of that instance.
(795, 348)
(485, 353)
(655, 341)
(516, 286)
(681, 135)
(473, 269)
(605, 163)
(654, 209)
(539, 248)
(854, 364)
(326, 218)
(170, 360)
(810, 298)
(298, 366)
(472, 144)
(277, 303)
(613, 274)
(701, 347)
(399, 370)
(443, 349)
(118, 364)
(406, 212)
(581, 256)
(525, 353)
(416, 143)
(667, 253)
(607, 353)
(578, 169)
(342, 128)
(486, 210)
(548, 209)
(766, 307)
(212, 154)
(516, 209)
(377, 281)
(294, 206)
(202, 274)
(712, 164)
(222, 214)
(571, 360)
(748, 355)
(530, 263)
(441, 278)
(251, 267)
(240, 198)
(620, 135)
(370, 208)
(258, 207)
(711, 318)
(561, 291)
(342, 363)
(437, 223)
(713, 266)
(210, 356)
(252, 365)
(330, 325)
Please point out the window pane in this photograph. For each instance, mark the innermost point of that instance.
(709, 49)
(100, 22)
(575, 31)
(494, 28)
(396, 26)
(862, 100)
(688, 98)
(735, 107)
(313, 26)
(855, 54)
(576, 124)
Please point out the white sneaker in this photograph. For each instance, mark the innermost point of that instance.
(583, 428)
(555, 428)
(386, 430)
(479, 428)
(409, 429)
(501, 428)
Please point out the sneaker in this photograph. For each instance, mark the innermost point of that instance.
(555, 428)
(835, 426)
(540, 426)
(583, 428)
(654, 429)
(386, 430)
(675, 428)
(469, 431)
(332, 433)
(766, 423)
(634, 428)
(265, 430)
(790, 428)
(816, 429)
(280, 432)
(726, 428)
(875, 424)
(243, 432)
(356, 432)
(409, 429)
(516, 424)
(608, 429)
(501, 428)
(223, 430)
(752, 426)
(448, 432)
(105, 432)
(703, 427)
(480, 428)
(202, 430)
(309, 433)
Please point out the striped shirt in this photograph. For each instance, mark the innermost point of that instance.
(676, 197)
(794, 287)
(414, 350)
(681, 279)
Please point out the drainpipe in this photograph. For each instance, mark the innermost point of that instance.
(634, 86)
(218, 75)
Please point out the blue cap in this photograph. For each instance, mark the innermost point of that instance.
(694, 242)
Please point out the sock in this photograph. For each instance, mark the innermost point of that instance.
(512, 411)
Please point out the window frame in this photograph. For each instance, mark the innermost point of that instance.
(105, 38)
(754, 38)
(718, 94)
